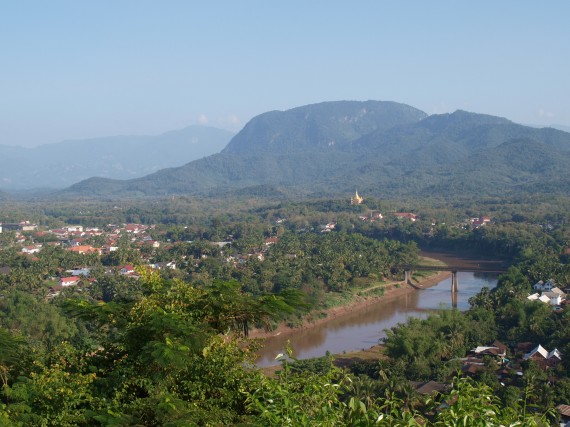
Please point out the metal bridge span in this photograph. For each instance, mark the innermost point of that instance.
(409, 269)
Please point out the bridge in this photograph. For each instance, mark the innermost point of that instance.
(481, 267)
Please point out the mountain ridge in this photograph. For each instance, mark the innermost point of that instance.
(59, 165)
(384, 148)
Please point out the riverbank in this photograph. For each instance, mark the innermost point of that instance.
(391, 290)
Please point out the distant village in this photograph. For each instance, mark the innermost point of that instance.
(78, 239)
(30, 239)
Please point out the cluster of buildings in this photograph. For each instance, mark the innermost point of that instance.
(75, 238)
(79, 239)
(17, 226)
(258, 254)
(477, 359)
(372, 216)
(506, 363)
(548, 293)
(479, 221)
(375, 216)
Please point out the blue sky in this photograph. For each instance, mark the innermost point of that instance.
(81, 69)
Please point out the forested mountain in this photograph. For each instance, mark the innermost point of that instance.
(517, 165)
(381, 148)
(122, 157)
(325, 126)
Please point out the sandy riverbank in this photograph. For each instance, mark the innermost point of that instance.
(391, 290)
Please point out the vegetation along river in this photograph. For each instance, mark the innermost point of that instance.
(363, 328)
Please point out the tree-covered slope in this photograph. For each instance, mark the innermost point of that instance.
(443, 138)
(517, 165)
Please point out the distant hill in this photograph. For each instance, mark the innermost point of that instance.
(516, 166)
(381, 148)
(121, 157)
(443, 147)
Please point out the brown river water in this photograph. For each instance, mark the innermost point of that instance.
(365, 327)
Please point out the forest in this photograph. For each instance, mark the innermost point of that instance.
(171, 347)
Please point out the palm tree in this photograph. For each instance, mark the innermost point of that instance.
(9, 353)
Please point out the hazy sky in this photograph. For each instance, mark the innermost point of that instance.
(79, 69)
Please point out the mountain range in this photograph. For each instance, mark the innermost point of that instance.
(380, 148)
(383, 149)
(59, 165)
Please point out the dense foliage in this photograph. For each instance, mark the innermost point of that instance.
(175, 356)
(171, 348)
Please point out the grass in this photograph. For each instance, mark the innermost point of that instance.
(375, 291)
(336, 299)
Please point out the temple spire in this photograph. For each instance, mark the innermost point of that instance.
(356, 199)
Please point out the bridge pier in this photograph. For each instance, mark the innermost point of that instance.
(454, 282)
(409, 269)
(454, 299)
(454, 279)
(408, 277)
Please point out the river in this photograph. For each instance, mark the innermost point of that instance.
(364, 328)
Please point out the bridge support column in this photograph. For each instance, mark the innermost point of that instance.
(408, 277)
(454, 282)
